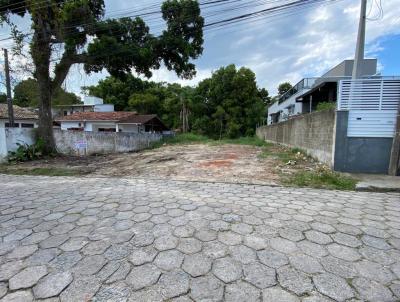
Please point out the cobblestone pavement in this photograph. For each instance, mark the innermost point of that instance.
(108, 239)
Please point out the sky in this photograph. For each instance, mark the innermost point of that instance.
(289, 47)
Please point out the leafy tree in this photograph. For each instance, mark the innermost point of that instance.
(232, 103)
(26, 94)
(3, 98)
(284, 87)
(121, 45)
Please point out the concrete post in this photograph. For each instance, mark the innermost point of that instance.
(359, 55)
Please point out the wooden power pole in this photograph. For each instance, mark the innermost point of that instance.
(8, 87)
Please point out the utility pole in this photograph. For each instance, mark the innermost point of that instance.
(359, 55)
(8, 86)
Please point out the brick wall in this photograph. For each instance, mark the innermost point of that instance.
(313, 132)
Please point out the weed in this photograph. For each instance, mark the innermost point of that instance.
(40, 171)
(321, 179)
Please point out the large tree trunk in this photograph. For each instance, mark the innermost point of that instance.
(41, 53)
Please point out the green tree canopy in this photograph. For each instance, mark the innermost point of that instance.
(3, 98)
(231, 102)
(26, 94)
(284, 87)
(68, 32)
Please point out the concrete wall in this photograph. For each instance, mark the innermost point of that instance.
(10, 137)
(360, 154)
(102, 142)
(311, 132)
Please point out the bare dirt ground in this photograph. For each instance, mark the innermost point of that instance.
(200, 162)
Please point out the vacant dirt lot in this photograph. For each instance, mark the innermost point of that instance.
(202, 162)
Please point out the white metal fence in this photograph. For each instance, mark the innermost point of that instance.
(372, 106)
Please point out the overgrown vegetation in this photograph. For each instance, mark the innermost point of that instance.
(286, 155)
(192, 138)
(322, 178)
(227, 105)
(325, 106)
(27, 152)
(40, 171)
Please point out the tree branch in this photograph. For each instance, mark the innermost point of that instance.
(61, 70)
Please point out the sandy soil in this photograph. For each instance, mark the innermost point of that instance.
(202, 162)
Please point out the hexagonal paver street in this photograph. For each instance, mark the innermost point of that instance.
(110, 239)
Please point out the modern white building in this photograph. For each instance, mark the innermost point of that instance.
(90, 104)
(305, 96)
(23, 117)
(117, 121)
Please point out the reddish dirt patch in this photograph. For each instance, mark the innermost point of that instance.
(219, 163)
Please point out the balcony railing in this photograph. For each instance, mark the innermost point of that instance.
(305, 83)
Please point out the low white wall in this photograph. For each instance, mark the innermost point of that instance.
(11, 137)
(83, 142)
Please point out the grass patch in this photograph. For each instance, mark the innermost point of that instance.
(191, 138)
(41, 171)
(321, 180)
(283, 153)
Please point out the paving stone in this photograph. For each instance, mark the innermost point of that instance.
(333, 286)
(272, 258)
(378, 243)
(243, 254)
(196, 265)
(283, 245)
(312, 249)
(343, 252)
(291, 234)
(184, 231)
(255, 242)
(169, 260)
(118, 251)
(396, 269)
(189, 245)
(121, 273)
(65, 261)
(42, 257)
(27, 277)
(318, 237)
(143, 239)
(305, 263)
(229, 238)
(323, 227)
(315, 297)
(89, 265)
(18, 296)
(107, 270)
(346, 239)
(173, 284)
(142, 276)
(3, 289)
(242, 291)
(9, 269)
(166, 243)
(294, 281)
(259, 275)
(374, 271)
(52, 285)
(339, 267)
(22, 251)
(81, 289)
(206, 235)
(395, 289)
(227, 269)
(215, 249)
(74, 244)
(17, 235)
(142, 255)
(274, 294)
(117, 292)
(242, 228)
(148, 294)
(372, 290)
(206, 288)
(53, 241)
(96, 247)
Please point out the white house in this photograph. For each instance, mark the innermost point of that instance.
(90, 104)
(309, 92)
(117, 121)
(23, 117)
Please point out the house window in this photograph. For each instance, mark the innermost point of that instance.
(65, 113)
(16, 125)
(106, 129)
(25, 125)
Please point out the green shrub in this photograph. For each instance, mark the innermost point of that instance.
(27, 152)
(326, 106)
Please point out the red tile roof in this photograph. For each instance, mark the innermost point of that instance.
(20, 113)
(99, 116)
